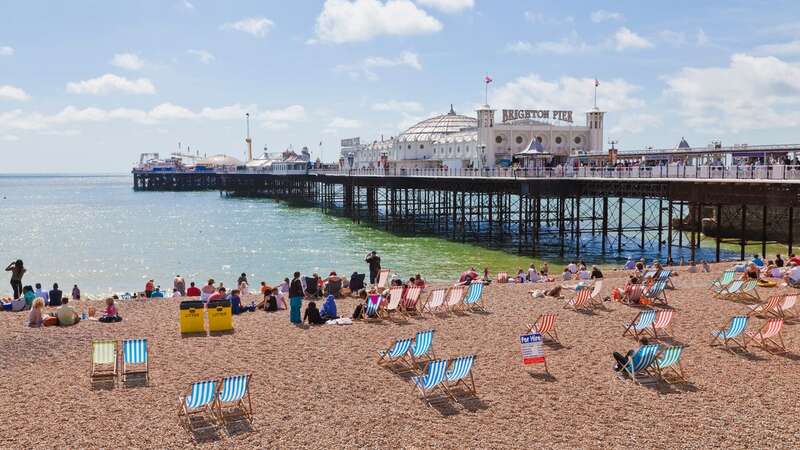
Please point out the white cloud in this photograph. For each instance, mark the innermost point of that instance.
(448, 6)
(541, 19)
(531, 91)
(634, 124)
(784, 48)
(130, 61)
(603, 16)
(340, 123)
(564, 46)
(397, 106)
(9, 138)
(188, 5)
(203, 56)
(366, 68)
(281, 118)
(110, 83)
(361, 20)
(6, 50)
(625, 39)
(256, 26)
(13, 93)
(750, 93)
(701, 38)
(230, 112)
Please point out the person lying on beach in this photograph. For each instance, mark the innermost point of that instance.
(35, 317)
(66, 314)
(110, 314)
(312, 315)
(622, 360)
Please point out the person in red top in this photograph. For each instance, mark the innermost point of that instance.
(794, 259)
(193, 291)
(149, 288)
(219, 295)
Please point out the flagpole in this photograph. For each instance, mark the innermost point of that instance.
(486, 90)
(595, 92)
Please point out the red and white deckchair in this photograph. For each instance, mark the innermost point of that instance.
(546, 326)
(455, 295)
(395, 296)
(435, 301)
(409, 303)
(581, 300)
(771, 307)
(663, 322)
(787, 307)
(770, 333)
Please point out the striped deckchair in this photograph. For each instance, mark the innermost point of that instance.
(435, 300)
(771, 307)
(787, 307)
(200, 400)
(663, 322)
(432, 379)
(642, 361)
(383, 278)
(104, 360)
(395, 296)
(640, 324)
(581, 300)
(748, 291)
(770, 333)
(650, 274)
(657, 293)
(373, 307)
(725, 279)
(460, 369)
(422, 348)
(233, 391)
(546, 326)
(669, 360)
(502, 277)
(731, 290)
(664, 275)
(396, 352)
(455, 297)
(409, 303)
(732, 333)
(474, 298)
(634, 295)
(135, 358)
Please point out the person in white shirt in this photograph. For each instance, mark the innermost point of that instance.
(533, 275)
(573, 269)
(43, 294)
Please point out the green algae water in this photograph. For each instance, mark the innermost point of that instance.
(95, 231)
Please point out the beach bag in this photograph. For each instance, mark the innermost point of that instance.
(50, 321)
(357, 311)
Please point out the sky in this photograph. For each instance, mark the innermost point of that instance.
(86, 86)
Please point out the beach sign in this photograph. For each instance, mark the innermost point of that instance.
(532, 351)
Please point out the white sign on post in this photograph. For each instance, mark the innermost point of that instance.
(532, 351)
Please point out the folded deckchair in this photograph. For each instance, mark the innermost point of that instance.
(383, 277)
(642, 361)
(669, 360)
(372, 307)
(200, 400)
(135, 358)
(770, 333)
(657, 292)
(725, 279)
(395, 296)
(546, 326)
(474, 298)
(771, 307)
(409, 303)
(104, 360)
(421, 348)
(640, 324)
(233, 391)
(732, 333)
(396, 352)
(435, 300)
(663, 322)
(454, 299)
(460, 369)
(432, 379)
(581, 300)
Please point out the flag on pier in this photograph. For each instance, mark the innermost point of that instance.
(488, 79)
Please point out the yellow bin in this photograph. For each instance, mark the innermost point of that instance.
(220, 316)
(192, 317)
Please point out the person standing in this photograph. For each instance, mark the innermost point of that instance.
(374, 262)
(76, 293)
(179, 284)
(17, 270)
(149, 287)
(295, 299)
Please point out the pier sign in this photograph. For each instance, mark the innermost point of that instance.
(532, 351)
(555, 114)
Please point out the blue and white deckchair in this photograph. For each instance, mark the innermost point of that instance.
(200, 400)
(432, 379)
(730, 290)
(373, 306)
(135, 358)
(232, 393)
(664, 275)
(421, 347)
(460, 369)
(641, 360)
(473, 299)
(641, 323)
(657, 292)
(670, 359)
(398, 351)
(735, 329)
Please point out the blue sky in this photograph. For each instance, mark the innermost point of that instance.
(86, 86)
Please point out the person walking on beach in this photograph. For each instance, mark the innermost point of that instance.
(374, 262)
(295, 299)
(76, 292)
(17, 270)
(179, 284)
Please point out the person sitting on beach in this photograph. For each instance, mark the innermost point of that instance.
(272, 300)
(328, 311)
(236, 303)
(312, 315)
(333, 285)
(193, 290)
(794, 259)
(622, 360)
(312, 285)
(76, 292)
(149, 287)
(243, 287)
(110, 314)
(219, 295)
(778, 261)
(757, 260)
(692, 267)
(208, 290)
(572, 267)
(42, 293)
(66, 314)
(35, 317)
(629, 264)
(751, 273)
(545, 270)
(264, 289)
(419, 281)
(520, 278)
(596, 273)
(706, 267)
(584, 274)
(566, 275)
(55, 295)
(29, 296)
(533, 275)
(176, 293)
(792, 276)
(157, 293)
(768, 267)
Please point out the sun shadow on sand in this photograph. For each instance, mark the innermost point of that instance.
(746, 354)
(789, 355)
(204, 431)
(236, 422)
(553, 345)
(103, 384)
(221, 333)
(542, 376)
(135, 381)
(665, 388)
(194, 335)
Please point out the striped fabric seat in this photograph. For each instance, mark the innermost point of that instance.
(770, 333)
(423, 341)
(435, 300)
(581, 300)
(771, 307)
(731, 289)
(735, 329)
(454, 298)
(460, 369)
(395, 296)
(748, 290)
(432, 379)
(546, 326)
(373, 306)
(409, 303)
(104, 360)
(233, 392)
(657, 292)
(642, 360)
(663, 322)
(397, 351)
(670, 360)
(473, 299)
(789, 301)
(640, 324)
(201, 395)
(135, 358)
(383, 277)
(724, 280)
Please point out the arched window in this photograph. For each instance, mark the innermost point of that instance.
(558, 139)
(519, 140)
(577, 139)
(499, 139)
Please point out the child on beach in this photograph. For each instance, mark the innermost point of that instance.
(76, 292)
(110, 314)
(35, 317)
(312, 315)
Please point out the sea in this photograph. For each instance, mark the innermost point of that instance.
(96, 232)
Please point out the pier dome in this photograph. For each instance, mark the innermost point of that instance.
(437, 127)
(220, 161)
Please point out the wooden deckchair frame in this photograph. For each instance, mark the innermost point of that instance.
(552, 333)
(100, 371)
(218, 407)
(762, 341)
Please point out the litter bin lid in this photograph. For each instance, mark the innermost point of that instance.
(219, 303)
(190, 304)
